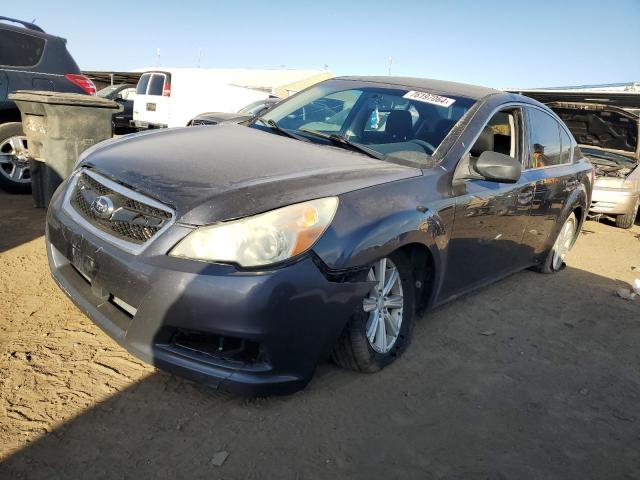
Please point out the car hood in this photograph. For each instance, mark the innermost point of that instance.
(602, 126)
(220, 172)
(606, 120)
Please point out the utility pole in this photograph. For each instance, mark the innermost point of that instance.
(199, 56)
(157, 57)
(390, 64)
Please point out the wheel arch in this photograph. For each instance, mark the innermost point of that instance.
(423, 263)
(10, 115)
(576, 203)
(421, 250)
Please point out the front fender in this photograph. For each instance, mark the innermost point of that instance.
(371, 223)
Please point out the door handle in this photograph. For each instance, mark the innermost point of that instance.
(571, 183)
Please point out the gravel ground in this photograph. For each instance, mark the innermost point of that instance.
(535, 377)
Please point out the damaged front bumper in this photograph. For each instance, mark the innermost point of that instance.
(251, 333)
(612, 201)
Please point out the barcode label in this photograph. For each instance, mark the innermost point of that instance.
(429, 98)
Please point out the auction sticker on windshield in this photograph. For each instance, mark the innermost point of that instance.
(429, 98)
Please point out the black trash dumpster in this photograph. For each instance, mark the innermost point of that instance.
(59, 127)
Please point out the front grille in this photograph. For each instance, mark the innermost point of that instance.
(128, 219)
(229, 349)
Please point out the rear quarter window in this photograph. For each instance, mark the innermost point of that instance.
(565, 147)
(20, 49)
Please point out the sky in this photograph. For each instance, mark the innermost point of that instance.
(492, 43)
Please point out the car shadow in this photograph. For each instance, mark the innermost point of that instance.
(535, 376)
(611, 222)
(20, 222)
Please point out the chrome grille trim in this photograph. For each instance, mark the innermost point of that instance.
(131, 247)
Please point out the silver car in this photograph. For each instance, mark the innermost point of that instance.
(616, 192)
(605, 125)
(608, 136)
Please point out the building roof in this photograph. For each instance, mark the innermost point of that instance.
(104, 78)
(259, 79)
(614, 98)
(603, 87)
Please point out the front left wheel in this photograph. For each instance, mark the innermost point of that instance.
(381, 330)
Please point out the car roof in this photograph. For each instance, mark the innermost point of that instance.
(15, 21)
(27, 29)
(436, 86)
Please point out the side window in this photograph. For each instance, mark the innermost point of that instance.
(565, 144)
(156, 84)
(501, 134)
(141, 88)
(19, 49)
(545, 139)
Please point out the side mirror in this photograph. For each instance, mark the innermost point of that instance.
(497, 167)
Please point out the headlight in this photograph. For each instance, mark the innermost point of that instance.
(262, 239)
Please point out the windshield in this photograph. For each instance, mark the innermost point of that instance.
(395, 121)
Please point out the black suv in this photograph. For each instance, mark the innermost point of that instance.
(30, 59)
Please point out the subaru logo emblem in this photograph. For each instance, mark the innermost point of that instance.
(102, 207)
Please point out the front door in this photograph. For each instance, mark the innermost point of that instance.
(490, 217)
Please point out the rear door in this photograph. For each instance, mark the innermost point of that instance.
(550, 168)
(152, 101)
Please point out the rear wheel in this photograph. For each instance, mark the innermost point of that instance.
(627, 220)
(554, 262)
(379, 333)
(14, 159)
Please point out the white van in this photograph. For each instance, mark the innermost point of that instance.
(171, 97)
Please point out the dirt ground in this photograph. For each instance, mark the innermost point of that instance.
(535, 377)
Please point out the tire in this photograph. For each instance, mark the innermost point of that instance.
(14, 159)
(554, 261)
(354, 350)
(627, 220)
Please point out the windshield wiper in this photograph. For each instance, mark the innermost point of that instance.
(340, 140)
(277, 128)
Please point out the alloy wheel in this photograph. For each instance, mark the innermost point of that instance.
(384, 304)
(563, 242)
(14, 159)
